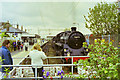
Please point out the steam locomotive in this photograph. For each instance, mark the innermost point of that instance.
(69, 43)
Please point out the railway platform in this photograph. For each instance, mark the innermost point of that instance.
(20, 53)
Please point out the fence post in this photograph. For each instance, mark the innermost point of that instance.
(72, 64)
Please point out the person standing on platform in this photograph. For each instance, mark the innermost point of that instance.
(37, 55)
(26, 45)
(6, 57)
(14, 45)
(18, 44)
(21, 46)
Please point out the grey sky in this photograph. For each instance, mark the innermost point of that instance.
(45, 15)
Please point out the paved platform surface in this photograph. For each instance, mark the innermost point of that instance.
(16, 52)
(19, 55)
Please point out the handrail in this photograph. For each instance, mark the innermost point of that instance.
(51, 57)
(56, 57)
(56, 77)
(40, 65)
(36, 69)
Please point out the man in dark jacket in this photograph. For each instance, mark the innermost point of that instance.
(6, 56)
(14, 45)
(18, 44)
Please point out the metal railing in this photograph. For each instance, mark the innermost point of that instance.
(55, 57)
(35, 66)
(47, 65)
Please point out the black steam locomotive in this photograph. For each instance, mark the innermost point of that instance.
(68, 43)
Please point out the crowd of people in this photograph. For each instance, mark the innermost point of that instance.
(20, 45)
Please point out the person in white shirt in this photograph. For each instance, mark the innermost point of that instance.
(26, 45)
(37, 55)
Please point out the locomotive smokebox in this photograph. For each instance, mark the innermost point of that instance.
(73, 29)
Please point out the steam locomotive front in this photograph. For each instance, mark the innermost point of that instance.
(75, 40)
(73, 45)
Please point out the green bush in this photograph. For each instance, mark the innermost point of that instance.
(103, 60)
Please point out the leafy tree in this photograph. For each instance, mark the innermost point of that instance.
(102, 19)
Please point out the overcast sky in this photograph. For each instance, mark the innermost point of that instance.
(46, 14)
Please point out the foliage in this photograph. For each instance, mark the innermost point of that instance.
(1, 61)
(3, 35)
(7, 72)
(102, 19)
(6, 69)
(103, 60)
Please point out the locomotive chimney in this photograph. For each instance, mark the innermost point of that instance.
(73, 28)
